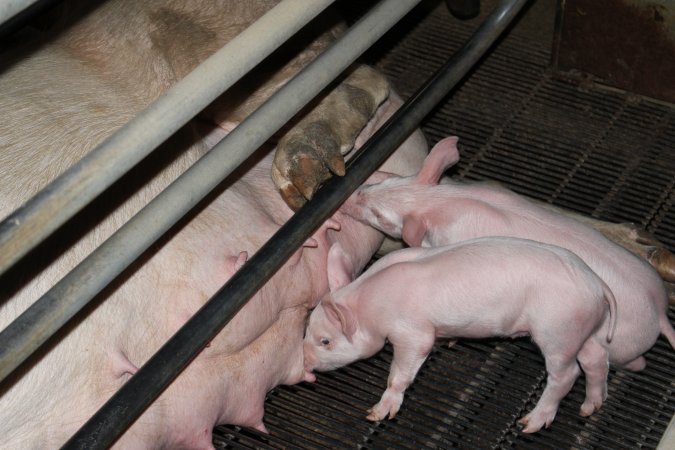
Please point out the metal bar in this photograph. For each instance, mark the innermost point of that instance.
(165, 365)
(31, 223)
(51, 311)
(14, 16)
(10, 8)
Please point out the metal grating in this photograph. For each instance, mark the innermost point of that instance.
(597, 151)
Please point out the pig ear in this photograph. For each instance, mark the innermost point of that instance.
(337, 312)
(413, 230)
(442, 156)
(340, 268)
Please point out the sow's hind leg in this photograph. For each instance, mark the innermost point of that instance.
(641, 243)
(634, 239)
(314, 148)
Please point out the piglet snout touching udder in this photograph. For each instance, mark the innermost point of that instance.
(496, 286)
(423, 212)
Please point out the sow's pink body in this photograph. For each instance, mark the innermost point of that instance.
(58, 100)
(423, 212)
(495, 286)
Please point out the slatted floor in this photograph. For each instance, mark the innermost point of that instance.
(593, 150)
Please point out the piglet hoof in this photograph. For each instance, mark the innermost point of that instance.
(589, 407)
(376, 416)
(261, 427)
(387, 406)
(535, 422)
(523, 421)
(528, 426)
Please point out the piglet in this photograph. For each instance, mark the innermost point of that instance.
(496, 286)
(425, 213)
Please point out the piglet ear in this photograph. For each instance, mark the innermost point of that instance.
(338, 312)
(340, 267)
(442, 156)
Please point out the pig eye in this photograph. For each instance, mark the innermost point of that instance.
(325, 341)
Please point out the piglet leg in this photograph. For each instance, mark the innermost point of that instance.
(594, 361)
(408, 358)
(562, 372)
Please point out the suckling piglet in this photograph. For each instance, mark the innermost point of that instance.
(495, 286)
(425, 213)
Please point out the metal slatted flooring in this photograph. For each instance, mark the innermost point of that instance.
(590, 149)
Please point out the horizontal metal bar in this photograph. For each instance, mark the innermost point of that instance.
(31, 223)
(153, 377)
